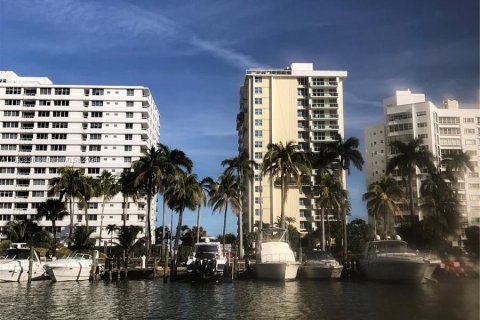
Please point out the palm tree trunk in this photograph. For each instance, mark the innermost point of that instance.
(173, 272)
(70, 204)
(164, 244)
(125, 200)
(385, 222)
(101, 222)
(410, 193)
(224, 226)
(149, 208)
(323, 228)
(240, 220)
(282, 208)
(198, 223)
(54, 231)
(86, 215)
(345, 244)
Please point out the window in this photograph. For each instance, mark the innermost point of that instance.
(470, 142)
(468, 120)
(258, 144)
(6, 194)
(258, 133)
(43, 114)
(43, 125)
(258, 155)
(6, 182)
(62, 91)
(42, 136)
(128, 125)
(96, 114)
(258, 79)
(474, 185)
(129, 103)
(96, 125)
(59, 125)
(94, 159)
(450, 131)
(130, 92)
(450, 142)
(423, 136)
(11, 147)
(62, 114)
(97, 103)
(9, 136)
(12, 102)
(128, 148)
(94, 148)
(301, 102)
(421, 124)
(45, 91)
(37, 194)
(44, 102)
(302, 135)
(258, 100)
(95, 136)
(63, 103)
(10, 124)
(127, 159)
(11, 90)
(301, 92)
(97, 92)
(421, 113)
(258, 90)
(129, 114)
(41, 147)
(302, 81)
(401, 127)
(469, 131)
(449, 120)
(58, 147)
(258, 122)
(7, 170)
(92, 205)
(258, 111)
(93, 171)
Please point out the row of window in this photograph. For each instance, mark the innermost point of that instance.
(60, 91)
(61, 103)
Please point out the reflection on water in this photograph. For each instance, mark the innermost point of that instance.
(456, 299)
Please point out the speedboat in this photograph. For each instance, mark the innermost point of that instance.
(320, 265)
(275, 259)
(391, 260)
(14, 264)
(207, 260)
(76, 267)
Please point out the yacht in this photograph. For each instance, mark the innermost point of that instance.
(275, 260)
(14, 264)
(76, 267)
(207, 260)
(391, 260)
(320, 265)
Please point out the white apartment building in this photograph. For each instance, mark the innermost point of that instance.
(297, 104)
(45, 127)
(443, 130)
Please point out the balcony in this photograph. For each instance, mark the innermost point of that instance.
(30, 91)
(29, 104)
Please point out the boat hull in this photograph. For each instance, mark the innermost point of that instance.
(277, 270)
(321, 272)
(396, 271)
(69, 272)
(18, 272)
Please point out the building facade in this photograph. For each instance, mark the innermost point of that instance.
(297, 104)
(45, 127)
(444, 131)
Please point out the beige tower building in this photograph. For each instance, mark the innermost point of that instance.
(46, 126)
(297, 104)
(444, 131)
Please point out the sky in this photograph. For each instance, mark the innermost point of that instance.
(193, 55)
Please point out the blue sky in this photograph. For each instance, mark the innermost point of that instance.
(193, 55)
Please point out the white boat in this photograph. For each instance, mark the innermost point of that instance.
(275, 259)
(76, 267)
(320, 265)
(391, 260)
(14, 264)
(207, 260)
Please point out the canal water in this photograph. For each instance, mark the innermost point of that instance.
(451, 299)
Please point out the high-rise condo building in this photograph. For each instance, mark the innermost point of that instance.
(444, 131)
(296, 104)
(45, 127)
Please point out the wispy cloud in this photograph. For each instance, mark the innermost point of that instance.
(102, 20)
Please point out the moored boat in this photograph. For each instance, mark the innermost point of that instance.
(320, 265)
(207, 260)
(391, 260)
(14, 264)
(275, 259)
(77, 267)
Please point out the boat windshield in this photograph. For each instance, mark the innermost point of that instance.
(82, 256)
(206, 248)
(319, 255)
(389, 247)
(16, 254)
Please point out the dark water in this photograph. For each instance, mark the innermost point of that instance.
(453, 299)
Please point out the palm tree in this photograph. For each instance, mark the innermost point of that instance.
(287, 163)
(128, 190)
(329, 194)
(348, 153)
(81, 238)
(111, 228)
(87, 189)
(409, 156)
(21, 230)
(383, 195)
(242, 167)
(223, 193)
(205, 186)
(183, 193)
(172, 162)
(67, 184)
(107, 188)
(457, 164)
(127, 238)
(53, 210)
